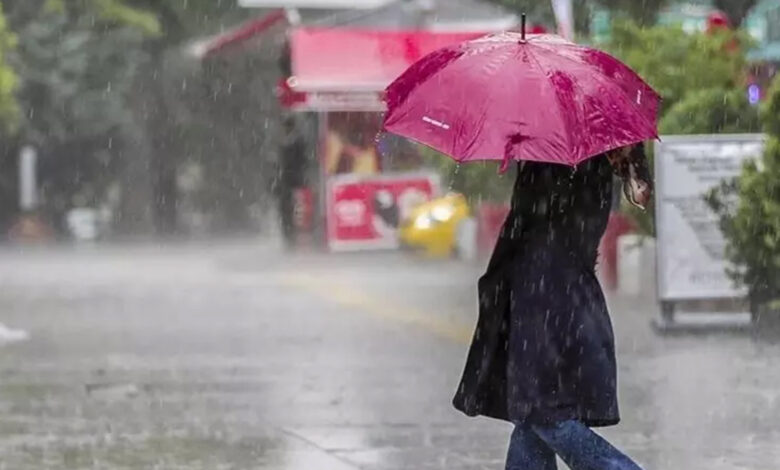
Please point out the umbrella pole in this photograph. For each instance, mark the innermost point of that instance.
(522, 27)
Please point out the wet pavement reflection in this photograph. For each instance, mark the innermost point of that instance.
(235, 356)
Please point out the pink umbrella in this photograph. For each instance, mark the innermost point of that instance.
(507, 97)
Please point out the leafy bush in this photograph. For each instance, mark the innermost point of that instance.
(8, 79)
(712, 111)
(749, 210)
(677, 63)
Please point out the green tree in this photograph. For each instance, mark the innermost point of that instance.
(9, 118)
(108, 12)
(676, 63)
(109, 89)
(712, 111)
(8, 79)
(167, 92)
(749, 209)
(76, 61)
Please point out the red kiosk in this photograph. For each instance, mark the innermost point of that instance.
(339, 73)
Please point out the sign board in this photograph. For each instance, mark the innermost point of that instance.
(691, 260)
(339, 102)
(364, 212)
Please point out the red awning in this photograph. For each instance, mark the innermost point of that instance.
(347, 69)
(355, 60)
(340, 69)
(239, 35)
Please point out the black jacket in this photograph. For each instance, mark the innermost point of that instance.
(543, 350)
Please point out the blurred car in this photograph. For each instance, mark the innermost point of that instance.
(433, 226)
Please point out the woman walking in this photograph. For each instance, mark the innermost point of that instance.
(543, 354)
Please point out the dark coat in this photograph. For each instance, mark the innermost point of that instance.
(543, 350)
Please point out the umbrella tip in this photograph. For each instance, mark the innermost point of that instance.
(522, 26)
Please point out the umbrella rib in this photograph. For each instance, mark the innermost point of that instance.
(580, 48)
(417, 83)
(484, 113)
(557, 98)
(628, 99)
(461, 53)
(625, 95)
(604, 78)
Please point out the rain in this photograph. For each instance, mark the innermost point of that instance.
(389, 234)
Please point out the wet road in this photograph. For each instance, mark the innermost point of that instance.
(237, 357)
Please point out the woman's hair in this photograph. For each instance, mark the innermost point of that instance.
(631, 165)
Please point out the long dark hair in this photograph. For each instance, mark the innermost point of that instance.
(631, 164)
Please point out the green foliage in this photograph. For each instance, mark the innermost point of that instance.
(8, 79)
(642, 12)
(179, 20)
(104, 87)
(676, 63)
(75, 79)
(192, 116)
(76, 65)
(478, 181)
(118, 13)
(749, 210)
(712, 111)
(108, 13)
(770, 110)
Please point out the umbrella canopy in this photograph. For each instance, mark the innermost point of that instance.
(507, 97)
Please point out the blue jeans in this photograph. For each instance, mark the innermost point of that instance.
(533, 447)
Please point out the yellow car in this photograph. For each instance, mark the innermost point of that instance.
(433, 226)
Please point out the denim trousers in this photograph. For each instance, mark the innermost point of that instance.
(533, 447)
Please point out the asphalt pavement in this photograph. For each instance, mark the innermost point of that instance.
(238, 356)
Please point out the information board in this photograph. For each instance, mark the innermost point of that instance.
(691, 260)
